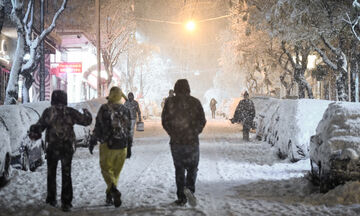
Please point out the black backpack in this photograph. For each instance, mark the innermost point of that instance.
(119, 131)
(61, 123)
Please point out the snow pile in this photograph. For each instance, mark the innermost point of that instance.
(336, 145)
(346, 194)
(288, 124)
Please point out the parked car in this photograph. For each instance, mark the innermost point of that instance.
(5, 153)
(25, 153)
(335, 148)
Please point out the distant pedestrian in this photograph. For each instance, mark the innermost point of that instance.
(134, 109)
(171, 94)
(245, 114)
(112, 130)
(183, 119)
(213, 103)
(58, 121)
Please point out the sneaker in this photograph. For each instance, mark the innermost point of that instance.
(109, 199)
(116, 195)
(180, 202)
(66, 207)
(190, 196)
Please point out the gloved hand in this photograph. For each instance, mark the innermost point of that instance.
(128, 152)
(34, 132)
(86, 112)
(232, 121)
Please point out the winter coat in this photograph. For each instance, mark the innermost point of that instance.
(213, 103)
(103, 125)
(134, 109)
(59, 120)
(183, 117)
(245, 113)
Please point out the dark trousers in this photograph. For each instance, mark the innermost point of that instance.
(246, 132)
(213, 114)
(53, 157)
(186, 158)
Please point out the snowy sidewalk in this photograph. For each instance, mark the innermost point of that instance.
(234, 178)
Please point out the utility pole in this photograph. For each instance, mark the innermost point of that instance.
(42, 53)
(97, 14)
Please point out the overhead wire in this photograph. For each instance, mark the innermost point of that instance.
(181, 23)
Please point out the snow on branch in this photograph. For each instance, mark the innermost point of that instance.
(34, 44)
(53, 24)
(325, 58)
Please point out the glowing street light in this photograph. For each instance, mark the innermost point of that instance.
(190, 25)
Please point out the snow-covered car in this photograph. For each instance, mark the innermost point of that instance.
(83, 133)
(25, 153)
(5, 153)
(335, 148)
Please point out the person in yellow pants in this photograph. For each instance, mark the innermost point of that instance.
(112, 130)
(111, 164)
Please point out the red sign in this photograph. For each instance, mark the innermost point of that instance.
(67, 67)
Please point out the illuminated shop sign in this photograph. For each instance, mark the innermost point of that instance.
(66, 67)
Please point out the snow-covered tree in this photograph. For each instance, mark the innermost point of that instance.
(117, 28)
(24, 27)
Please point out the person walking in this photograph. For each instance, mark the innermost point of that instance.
(171, 94)
(213, 103)
(245, 114)
(58, 121)
(134, 109)
(112, 130)
(183, 118)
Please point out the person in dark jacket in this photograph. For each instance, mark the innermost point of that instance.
(245, 114)
(58, 121)
(112, 130)
(171, 94)
(134, 109)
(213, 103)
(183, 119)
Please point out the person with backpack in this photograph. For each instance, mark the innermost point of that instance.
(134, 109)
(183, 118)
(112, 130)
(58, 121)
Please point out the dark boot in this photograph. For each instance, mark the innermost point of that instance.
(181, 202)
(116, 195)
(109, 199)
(51, 202)
(66, 207)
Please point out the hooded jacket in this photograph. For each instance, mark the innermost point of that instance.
(59, 120)
(102, 131)
(183, 117)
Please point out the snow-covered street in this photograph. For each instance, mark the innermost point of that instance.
(234, 178)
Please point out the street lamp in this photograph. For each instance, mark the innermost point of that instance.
(190, 25)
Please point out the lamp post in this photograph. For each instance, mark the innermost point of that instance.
(42, 53)
(98, 66)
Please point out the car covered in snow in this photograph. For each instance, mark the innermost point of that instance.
(5, 153)
(335, 148)
(25, 153)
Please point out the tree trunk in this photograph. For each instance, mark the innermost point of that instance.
(303, 85)
(354, 71)
(28, 81)
(12, 88)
